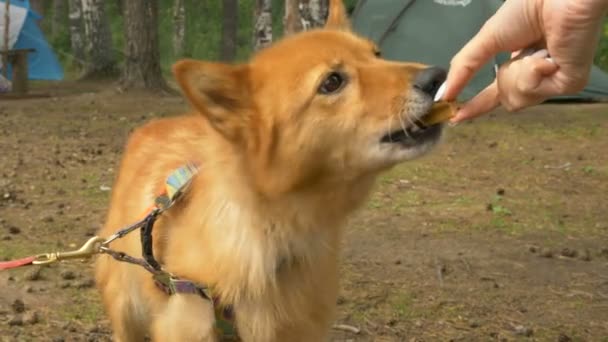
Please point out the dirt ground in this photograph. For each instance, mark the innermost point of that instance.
(501, 234)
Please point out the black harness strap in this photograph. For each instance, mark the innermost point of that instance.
(147, 241)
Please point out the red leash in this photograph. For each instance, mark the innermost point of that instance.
(7, 265)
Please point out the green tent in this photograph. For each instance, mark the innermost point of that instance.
(432, 31)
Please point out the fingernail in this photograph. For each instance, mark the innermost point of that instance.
(440, 92)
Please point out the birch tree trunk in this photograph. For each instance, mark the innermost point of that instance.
(179, 28)
(304, 15)
(262, 29)
(76, 28)
(229, 30)
(142, 52)
(101, 61)
(314, 13)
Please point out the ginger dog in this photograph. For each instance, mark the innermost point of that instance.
(288, 146)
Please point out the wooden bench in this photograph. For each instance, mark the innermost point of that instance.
(18, 60)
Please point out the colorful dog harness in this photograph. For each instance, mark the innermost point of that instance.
(176, 184)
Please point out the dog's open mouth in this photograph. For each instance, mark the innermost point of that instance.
(418, 133)
(422, 130)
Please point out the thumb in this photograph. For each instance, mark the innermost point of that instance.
(534, 83)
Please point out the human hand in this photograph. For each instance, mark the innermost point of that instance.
(568, 29)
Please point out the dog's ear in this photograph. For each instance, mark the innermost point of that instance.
(218, 91)
(337, 18)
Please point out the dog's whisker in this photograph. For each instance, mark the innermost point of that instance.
(390, 128)
(404, 127)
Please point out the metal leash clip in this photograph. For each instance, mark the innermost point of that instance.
(90, 248)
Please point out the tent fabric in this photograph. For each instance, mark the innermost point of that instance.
(17, 19)
(42, 63)
(433, 31)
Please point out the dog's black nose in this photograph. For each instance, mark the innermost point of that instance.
(430, 79)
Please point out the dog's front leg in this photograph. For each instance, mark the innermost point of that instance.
(186, 317)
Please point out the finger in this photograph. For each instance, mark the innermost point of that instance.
(493, 38)
(484, 102)
(473, 56)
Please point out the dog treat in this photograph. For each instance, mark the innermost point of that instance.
(441, 112)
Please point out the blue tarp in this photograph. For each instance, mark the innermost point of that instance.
(43, 63)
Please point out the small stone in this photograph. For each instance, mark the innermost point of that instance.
(18, 306)
(31, 317)
(7, 238)
(569, 253)
(500, 192)
(33, 274)
(29, 289)
(533, 249)
(397, 262)
(16, 320)
(546, 253)
(85, 284)
(563, 338)
(586, 255)
(523, 331)
(474, 324)
(48, 219)
(68, 275)
(14, 230)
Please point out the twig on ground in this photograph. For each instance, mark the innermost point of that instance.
(559, 167)
(348, 328)
(467, 265)
(439, 268)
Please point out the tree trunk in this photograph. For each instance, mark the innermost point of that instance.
(142, 52)
(179, 28)
(262, 19)
(120, 6)
(314, 13)
(37, 6)
(229, 30)
(58, 16)
(101, 58)
(291, 22)
(303, 15)
(76, 32)
(7, 24)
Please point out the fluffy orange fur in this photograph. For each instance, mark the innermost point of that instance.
(281, 168)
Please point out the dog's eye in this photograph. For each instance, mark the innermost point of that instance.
(332, 83)
(378, 53)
